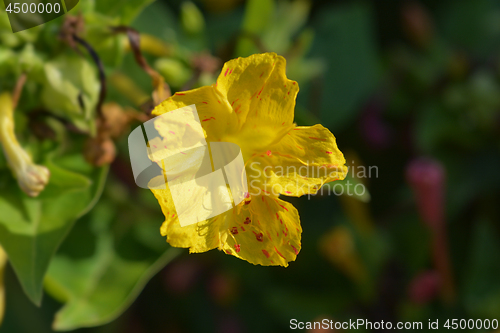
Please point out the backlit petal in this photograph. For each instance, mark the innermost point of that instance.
(305, 159)
(265, 232)
(261, 96)
(199, 237)
(216, 115)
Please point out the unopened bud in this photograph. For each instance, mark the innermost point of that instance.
(99, 151)
(191, 18)
(31, 178)
(424, 287)
(418, 23)
(427, 179)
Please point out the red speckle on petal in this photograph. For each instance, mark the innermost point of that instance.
(288, 192)
(227, 70)
(181, 94)
(281, 221)
(284, 208)
(312, 137)
(277, 216)
(329, 152)
(261, 74)
(237, 110)
(259, 236)
(269, 153)
(295, 249)
(265, 253)
(205, 102)
(278, 252)
(171, 132)
(234, 101)
(234, 230)
(218, 101)
(260, 90)
(237, 247)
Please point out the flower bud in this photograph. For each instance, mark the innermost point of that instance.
(191, 18)
(3, 264)
(427, 179)
(418, 23)
(99, 151)
(424, 287)
(31, 178)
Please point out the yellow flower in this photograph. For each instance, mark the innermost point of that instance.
(252, 104)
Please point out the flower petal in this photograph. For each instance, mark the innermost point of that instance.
(264, 232)
(215, 113)
(199, 237)
(261, 96)
(305, 159)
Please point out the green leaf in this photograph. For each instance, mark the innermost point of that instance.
(350, 186)
(31, 229)
(258, 14)
(470, 25)
(481, 286)
(288, 19)
(126, 10)
(102, 268)
(192, 20)
(346, 35)
(71, 89)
